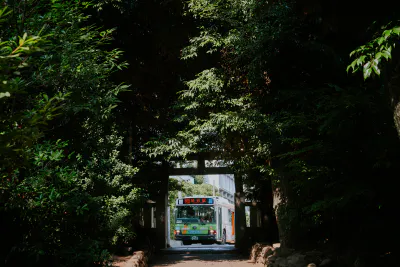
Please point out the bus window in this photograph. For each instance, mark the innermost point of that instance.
(196, 214)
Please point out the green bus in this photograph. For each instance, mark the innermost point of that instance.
(205, 220)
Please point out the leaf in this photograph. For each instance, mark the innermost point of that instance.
(380, 40)
(387, 33)
(360, 60)
(396, 30)
(376, 69)
(367, 72)
(352, 65)
(6, 94)
(386, 54)
(51, 196)
(21, 42)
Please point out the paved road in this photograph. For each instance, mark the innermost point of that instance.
(201, 260)
(198, 255)
(198, 248)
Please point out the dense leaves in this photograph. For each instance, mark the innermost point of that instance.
(262, 84)
(371, 54)
(278, 103)
(66, 197)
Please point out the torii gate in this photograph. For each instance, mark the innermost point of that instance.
(161, 200)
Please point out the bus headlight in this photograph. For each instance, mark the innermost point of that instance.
(176, 232)
(213, 232)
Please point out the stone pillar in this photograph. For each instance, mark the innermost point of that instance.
(161, 208)
(240, 216)
(253, 216)
(147, 216)
(161, 221)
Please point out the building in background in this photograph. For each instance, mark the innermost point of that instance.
(224, 184)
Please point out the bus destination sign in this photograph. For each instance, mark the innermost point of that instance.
(198, 200)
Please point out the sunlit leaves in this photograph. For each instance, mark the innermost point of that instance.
(4, 94)
(369, 56)
(209, 39)
(55, 73)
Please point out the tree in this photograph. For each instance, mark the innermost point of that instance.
(199, 179)
(67, 199)
(278, 104)
(369, 57)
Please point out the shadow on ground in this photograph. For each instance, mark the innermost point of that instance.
(191, 259)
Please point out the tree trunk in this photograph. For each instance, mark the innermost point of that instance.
(269, 226)
(394, 91)
(240, 216)
(279, 207)
(269, 216)
(284, 206)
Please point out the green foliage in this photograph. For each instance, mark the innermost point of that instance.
(108, 180)
(59, 209)
(20, 127)
(45, 201)
(199, 179)
(274, 102)
(269, 95)
(370, 55)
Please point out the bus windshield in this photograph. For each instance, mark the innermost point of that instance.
(195, 214)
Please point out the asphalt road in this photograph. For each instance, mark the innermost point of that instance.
(200, 255)
(177, 248)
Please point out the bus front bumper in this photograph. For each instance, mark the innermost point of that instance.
(195, 237)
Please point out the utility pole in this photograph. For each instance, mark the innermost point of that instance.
(213, 188)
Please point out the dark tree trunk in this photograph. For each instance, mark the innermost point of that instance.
(285, 209)
(394, 93)
(240, 216)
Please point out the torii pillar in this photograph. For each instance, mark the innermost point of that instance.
(161, 208)
(240, 215)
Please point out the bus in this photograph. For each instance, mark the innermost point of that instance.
(205, 220)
